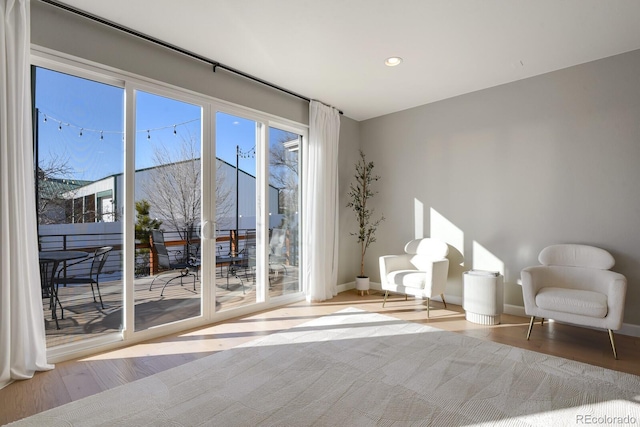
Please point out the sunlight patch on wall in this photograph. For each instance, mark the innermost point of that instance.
(483, 259)
(418, 215)
(443, 229)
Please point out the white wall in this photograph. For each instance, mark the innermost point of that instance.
(503, 172)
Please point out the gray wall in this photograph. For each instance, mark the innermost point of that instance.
(349, 250)
(503, 172)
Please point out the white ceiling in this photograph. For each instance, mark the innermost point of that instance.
(334, 50)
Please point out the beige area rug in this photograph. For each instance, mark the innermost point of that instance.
(355, 368)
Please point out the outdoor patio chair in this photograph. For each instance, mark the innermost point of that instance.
(191, 256)
(98, 260)
(184, 267)
(278, 251)
(227, 260)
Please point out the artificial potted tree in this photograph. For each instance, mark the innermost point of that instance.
(360, 191)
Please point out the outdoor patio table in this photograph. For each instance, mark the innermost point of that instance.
(55, 258)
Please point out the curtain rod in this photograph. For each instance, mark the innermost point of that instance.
(166, 45)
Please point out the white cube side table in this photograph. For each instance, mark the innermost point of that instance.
(483, 297)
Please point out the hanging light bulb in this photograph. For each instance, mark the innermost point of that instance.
(81, 129)
(174, 130)
(101, 136)
(148, 134)
(45, 118)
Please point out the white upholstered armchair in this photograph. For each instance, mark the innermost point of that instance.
(574, 285)
(421, 271)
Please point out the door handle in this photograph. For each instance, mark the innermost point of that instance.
(209, 230)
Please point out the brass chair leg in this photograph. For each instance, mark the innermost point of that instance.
(443, 301)
(385, 298)
(613, 344)
(428, 304)
(406, 297)
(533, 318)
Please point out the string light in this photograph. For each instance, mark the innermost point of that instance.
(250, 153)
(82, 130)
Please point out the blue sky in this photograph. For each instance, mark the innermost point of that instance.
(82, 123)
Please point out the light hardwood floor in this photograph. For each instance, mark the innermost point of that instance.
(76, 379)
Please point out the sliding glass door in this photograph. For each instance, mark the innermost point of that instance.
(236, 147)
(284, 212)
(257, 211)
(78, 165)
(193, 205)
(168, 204)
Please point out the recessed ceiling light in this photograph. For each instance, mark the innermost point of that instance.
(393, 61)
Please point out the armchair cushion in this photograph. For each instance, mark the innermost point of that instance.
(425, 251)
(408, 278)
(569, 255)
(420, 262)
(572, 301)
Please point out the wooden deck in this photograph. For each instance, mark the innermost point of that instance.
(84, 318)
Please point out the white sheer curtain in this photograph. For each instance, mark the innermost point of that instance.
(22, 338)
(320, 198)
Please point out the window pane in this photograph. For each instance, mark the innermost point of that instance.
(236, 139)
(284, 209)
(79, 149)
(168, 210)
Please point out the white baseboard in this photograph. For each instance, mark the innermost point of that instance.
(450, 299)
(514, 310)
(626, 329)
(375, 286)
(346, 286)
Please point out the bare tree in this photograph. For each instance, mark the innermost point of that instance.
(284, 169)
(54, 186)
(225, 199)
(283, 162)
(173, 188)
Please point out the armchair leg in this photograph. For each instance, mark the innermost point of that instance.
(542, 321)
(533, 318)
(428, 304)
(385, 298)
(613, 344)
(443, 301)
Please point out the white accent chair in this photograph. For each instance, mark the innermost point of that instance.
(421, 271)
(574, 285)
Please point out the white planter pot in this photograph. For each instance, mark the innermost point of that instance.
(362, 285)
